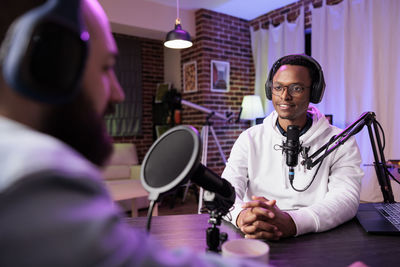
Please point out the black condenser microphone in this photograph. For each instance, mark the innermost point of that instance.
(173, 159)
(292, 148)
(210, 181)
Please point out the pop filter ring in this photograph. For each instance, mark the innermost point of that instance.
(158, 183)
(190, 167)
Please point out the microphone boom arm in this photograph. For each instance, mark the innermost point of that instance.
(366, 119)
(343, 136)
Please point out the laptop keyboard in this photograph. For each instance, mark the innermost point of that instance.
(391, 211)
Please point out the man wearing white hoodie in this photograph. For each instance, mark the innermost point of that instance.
(268, 205)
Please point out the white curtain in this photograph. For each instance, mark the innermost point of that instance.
(269, 45)
(357, 43)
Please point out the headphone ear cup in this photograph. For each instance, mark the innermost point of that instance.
(6, 44)
(268, 83)
(268, 90)
(318, 88)
(44, 52)
(314, 97)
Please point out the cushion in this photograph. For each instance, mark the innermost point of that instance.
(117, 172)
(124, 154)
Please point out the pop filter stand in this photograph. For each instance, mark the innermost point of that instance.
(213, 235)
(366, 119)
(218, 206)
(219, 195)
(172, 160)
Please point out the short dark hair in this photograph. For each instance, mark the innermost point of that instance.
(297, 60)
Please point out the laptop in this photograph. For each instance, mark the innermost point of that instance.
(380, 218)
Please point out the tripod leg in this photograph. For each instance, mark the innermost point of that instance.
(186, 190)
(218, 144)
(204, 139)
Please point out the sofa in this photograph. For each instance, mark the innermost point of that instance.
(123, 164)
(122, 178)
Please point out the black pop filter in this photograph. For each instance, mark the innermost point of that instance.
(173, 159)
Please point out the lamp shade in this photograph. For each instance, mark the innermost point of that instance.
(178, 38)
(251, 108)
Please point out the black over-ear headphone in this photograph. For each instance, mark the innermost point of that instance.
(44, 52)
(317, 87)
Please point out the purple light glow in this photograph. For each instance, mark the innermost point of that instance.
(85, 36)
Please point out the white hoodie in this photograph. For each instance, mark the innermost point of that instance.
(256, 168)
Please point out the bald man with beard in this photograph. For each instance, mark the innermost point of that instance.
(54, 208)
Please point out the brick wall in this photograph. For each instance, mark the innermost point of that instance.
(225, 38)
(219, 37)
(152, 53)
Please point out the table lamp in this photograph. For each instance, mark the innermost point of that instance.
(251, 108)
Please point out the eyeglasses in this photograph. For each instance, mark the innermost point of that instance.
(292, 89)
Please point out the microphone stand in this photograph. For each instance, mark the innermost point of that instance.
(213, 235)
(214, 203)
(366, 119)
(218, 206)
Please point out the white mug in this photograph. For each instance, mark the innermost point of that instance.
(252, 249)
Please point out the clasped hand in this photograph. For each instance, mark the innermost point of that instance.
(262, 219)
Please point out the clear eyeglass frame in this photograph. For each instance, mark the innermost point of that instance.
(292, 89)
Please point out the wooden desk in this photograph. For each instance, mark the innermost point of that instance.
(339, 247)
(128, 189)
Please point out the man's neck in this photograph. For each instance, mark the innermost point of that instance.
(299, 122)
(305, 126)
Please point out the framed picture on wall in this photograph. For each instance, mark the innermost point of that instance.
(190, 77)
(219, 76)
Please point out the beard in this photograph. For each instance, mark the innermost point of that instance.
(81, 127)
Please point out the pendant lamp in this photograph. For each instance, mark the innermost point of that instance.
(178, 38)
